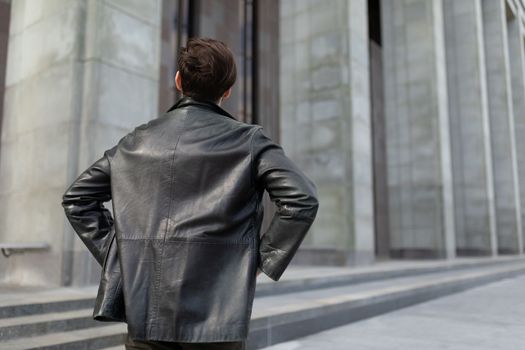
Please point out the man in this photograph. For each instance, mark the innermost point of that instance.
(181, 254)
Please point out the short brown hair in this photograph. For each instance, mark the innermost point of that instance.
(207, 68)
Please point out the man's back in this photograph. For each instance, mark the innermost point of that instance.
(180, 255)
(193, 166)
(186, 208)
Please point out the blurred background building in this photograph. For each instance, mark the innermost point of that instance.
(409, 115)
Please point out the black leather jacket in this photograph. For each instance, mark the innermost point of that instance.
(180, 253)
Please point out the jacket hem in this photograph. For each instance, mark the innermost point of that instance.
(222, 334)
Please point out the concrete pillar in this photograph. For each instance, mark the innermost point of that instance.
(417, 129)
(325, 122)
(516, 39)
(506, 187)
(81, 74)
(469, 129)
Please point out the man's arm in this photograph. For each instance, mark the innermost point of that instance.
(84, 208)
(295, 196)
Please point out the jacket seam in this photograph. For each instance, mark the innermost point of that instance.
(112, 233)
(114, 293)
(158, 277)
(257, 128)
(253, 220)
(225, 242)
(294, 213)
(109, 157)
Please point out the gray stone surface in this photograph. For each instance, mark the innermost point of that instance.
(61, 317)
(80, 75)
(40, 81)
(506, 186)
(417, 129)
(484, 318)
(469, 129)
(89, 338)
(325, 118)
(516, 34)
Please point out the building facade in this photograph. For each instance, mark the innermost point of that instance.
(409, 115)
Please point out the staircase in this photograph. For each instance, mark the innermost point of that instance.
(306, 300)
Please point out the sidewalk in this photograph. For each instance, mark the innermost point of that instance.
(488, 317)
(304, 302)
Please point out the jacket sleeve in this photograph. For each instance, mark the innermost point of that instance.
(84, 208)
(295, 197)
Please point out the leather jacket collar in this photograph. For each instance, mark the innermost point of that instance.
(190, 101)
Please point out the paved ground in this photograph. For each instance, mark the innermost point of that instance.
(489, 317)
(14, 294)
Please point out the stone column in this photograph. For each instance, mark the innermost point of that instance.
(417, 129)
(325, 122)
(469, 129)
(81, 74)
(506, 187)
(516, 37)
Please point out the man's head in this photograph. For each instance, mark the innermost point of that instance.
(206, 70)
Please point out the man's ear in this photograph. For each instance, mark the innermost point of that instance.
(178, 81)
(227, 93)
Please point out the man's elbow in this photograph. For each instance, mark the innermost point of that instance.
(312, 198)
(314, 206)
(308, 204)
(68, 199)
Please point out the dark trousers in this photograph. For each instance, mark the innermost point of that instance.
(163, 345)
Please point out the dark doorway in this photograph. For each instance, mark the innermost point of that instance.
(382, 240)
(5, 11)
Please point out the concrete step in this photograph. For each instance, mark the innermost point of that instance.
(278, 318)
(14, 303)
(24, 326)
(298, 278)
(85, 339)
(282, 318)
(485, 317)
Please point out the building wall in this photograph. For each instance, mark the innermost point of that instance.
(81, 73)
(325, 122)
(421, 207)
(516, 41)
(502, 128)
(447, 188)
(472, 170)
